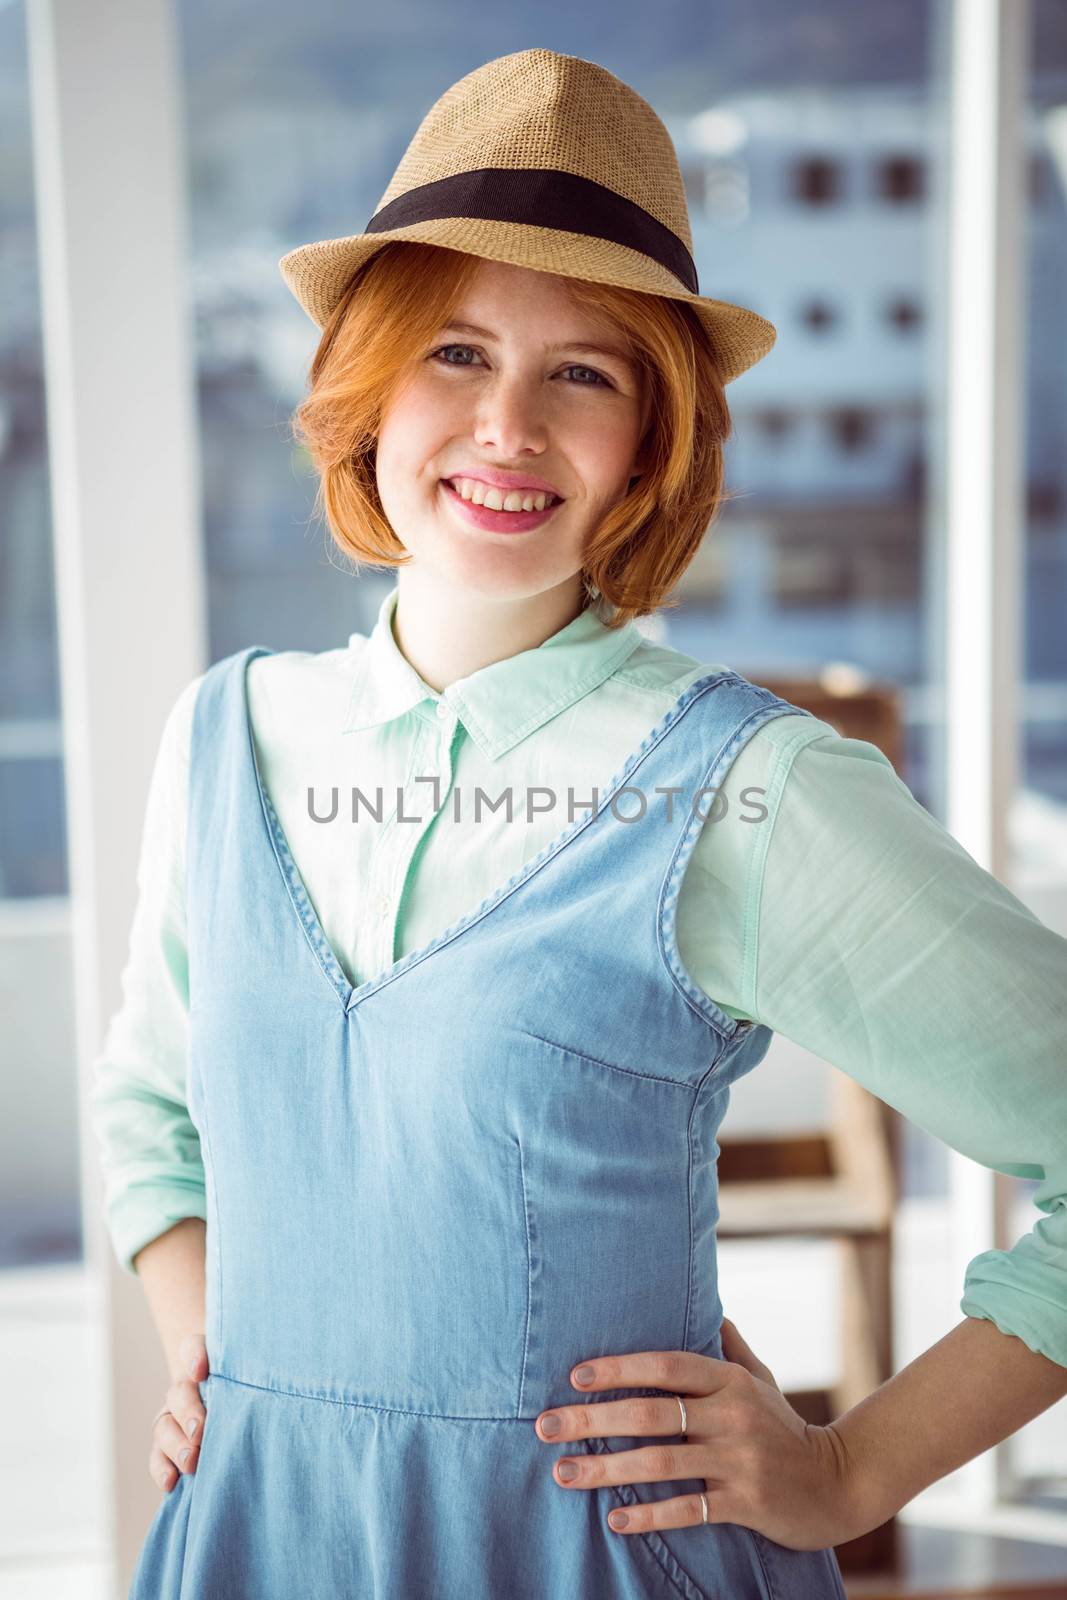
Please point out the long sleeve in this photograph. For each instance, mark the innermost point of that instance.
(861, 929)
(150, 1149)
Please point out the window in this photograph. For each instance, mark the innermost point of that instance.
(1045, 502)
(820, 563)
(900, 180)
(33, 844)
(904, 314)
(774, 422)
(817, 180)
(1042, 180)
(851, 428)
(818, 315)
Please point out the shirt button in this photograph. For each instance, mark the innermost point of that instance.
(383, 906)
(442, 710)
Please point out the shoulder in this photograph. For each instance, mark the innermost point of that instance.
(641, 691)
(292, 692)
(177, 731)
(660, 672)
(286, 689)
(808, 770)
(658, 675)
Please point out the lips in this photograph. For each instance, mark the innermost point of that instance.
(501, 478)
(501, 522)
(553, 498)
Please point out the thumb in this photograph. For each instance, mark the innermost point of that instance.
(193, 1353)
(736, 1350)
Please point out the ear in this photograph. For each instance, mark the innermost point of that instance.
(640, 467)
(637, 474)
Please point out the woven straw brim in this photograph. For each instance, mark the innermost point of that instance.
(318, 274)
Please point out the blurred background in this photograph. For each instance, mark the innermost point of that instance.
(821, 148)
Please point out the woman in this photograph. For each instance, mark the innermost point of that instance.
(457, 1165)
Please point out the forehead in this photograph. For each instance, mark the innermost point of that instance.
(502, 297)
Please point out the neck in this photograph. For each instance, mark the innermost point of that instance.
(448, 632)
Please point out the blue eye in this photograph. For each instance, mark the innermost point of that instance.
(443, 349)
(595, 373)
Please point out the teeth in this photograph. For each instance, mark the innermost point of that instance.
(480, 494)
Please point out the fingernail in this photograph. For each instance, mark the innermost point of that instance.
(583, 1375)
(550, 1426)
(194, 1363)
(568, 1470)
(183, 1458)
(618, 1519)
(191, 1425)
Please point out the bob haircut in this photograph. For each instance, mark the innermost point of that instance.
(394, 306)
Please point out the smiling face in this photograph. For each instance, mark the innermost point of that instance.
(524, 398)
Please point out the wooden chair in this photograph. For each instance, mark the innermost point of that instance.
(838, 1182)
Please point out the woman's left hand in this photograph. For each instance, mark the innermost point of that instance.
(763, 1466)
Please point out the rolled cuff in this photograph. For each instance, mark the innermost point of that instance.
(141, 1214)
(1024, 1289)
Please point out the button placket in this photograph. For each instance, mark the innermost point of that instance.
(432, 753)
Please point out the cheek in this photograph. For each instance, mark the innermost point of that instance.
(608, 475)
(417, 428)
(438, 406)
(606, 444)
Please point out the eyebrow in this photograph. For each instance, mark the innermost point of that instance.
(577, 345)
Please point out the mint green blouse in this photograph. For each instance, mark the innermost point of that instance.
(821, 900)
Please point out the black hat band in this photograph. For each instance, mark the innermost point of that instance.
(545, 198)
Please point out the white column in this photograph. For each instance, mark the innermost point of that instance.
(985, 504)
(122, 428)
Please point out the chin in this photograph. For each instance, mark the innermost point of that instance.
(496, 575)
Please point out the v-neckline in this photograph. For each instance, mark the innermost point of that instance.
(352, 995)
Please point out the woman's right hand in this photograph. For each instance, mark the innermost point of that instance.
(179, 1427)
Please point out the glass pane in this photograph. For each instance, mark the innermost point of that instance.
(1038, 1453)
(39, 1178)
(1041, 836)
(810, 146)
(32, 814)
(809, 184)
(32, 836)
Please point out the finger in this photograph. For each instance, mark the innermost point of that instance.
(175, 1445)
(678, 1371)
(193, 1352)
(184, 1401)
(656, 1463)
(192, 1425)
(160, 1470)
(736, 1349)
(610, 1418)
(684, 1511)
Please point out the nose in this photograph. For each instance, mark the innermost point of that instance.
(511, 418)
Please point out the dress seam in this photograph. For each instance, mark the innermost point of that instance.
(360, 1405)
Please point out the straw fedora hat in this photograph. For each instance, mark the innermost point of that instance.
(546, 161)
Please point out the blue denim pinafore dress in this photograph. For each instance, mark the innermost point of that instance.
(431, 1194)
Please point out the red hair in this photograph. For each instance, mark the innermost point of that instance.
(395, 305)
